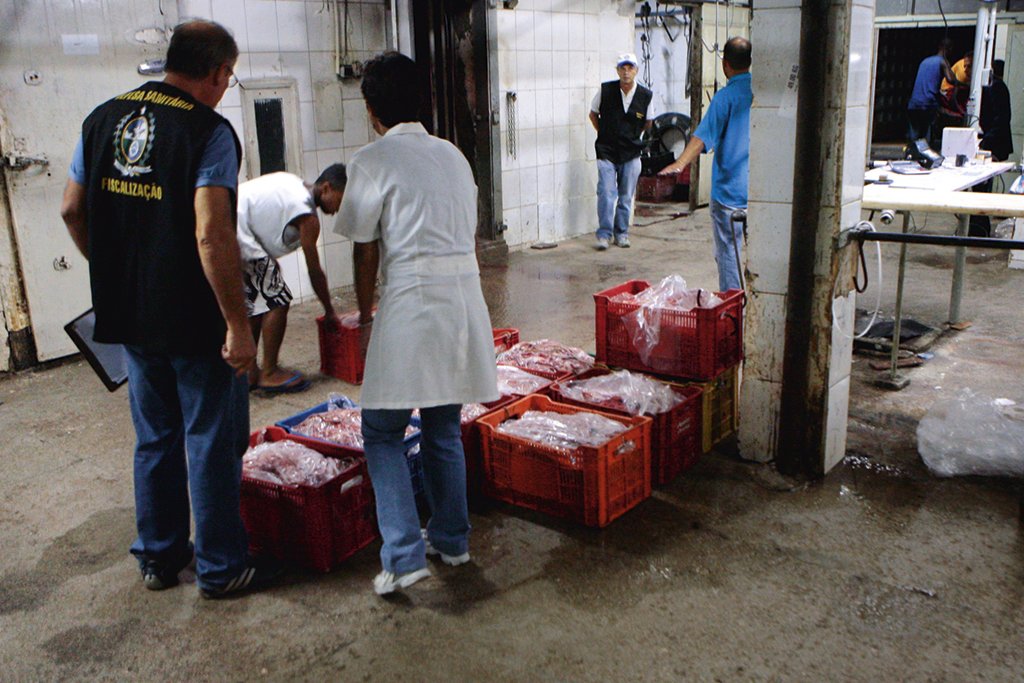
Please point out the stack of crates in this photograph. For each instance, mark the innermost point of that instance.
(701, 347)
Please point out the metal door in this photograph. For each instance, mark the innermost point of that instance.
(58, 60)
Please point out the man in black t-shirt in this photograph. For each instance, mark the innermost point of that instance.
(150, 202)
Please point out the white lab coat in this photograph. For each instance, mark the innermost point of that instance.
(432, 342)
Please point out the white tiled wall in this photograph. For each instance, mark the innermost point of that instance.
(293, 38)
(554, 54)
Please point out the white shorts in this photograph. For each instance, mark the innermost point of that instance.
(265, 288)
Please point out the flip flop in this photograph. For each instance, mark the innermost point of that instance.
(292, 385)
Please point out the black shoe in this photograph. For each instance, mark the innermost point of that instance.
(158, 574)
(257, 575)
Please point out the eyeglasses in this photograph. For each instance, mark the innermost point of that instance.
(233, 80)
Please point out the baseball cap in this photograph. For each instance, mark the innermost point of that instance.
(625, 58)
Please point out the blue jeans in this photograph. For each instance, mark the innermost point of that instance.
(616, 185)
(191, 416)
(444, 482)
(726, 233)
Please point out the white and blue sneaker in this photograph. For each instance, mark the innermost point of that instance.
(388, 582)
(450, 560)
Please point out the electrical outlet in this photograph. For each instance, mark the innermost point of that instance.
(352, 70)
(33, 77)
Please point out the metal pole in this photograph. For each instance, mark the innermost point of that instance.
(959, 265)
(899, 305)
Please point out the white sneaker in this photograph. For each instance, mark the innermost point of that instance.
(601, 244)
(388, 582)
(450, 560)
(622, 241)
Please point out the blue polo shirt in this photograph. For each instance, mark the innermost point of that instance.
(926, 86)
(725, 129)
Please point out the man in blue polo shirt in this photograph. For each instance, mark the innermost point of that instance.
(926, 97)
(725, 129)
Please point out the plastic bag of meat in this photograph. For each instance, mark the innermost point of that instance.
(513, 381)
(562, 430)
(624, 390)
(291, 463)
(471, 411)
(341, 423)
(644, 324)
(544, 355)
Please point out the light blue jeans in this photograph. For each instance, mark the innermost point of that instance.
(726, 232)
(444, 483)
(616, 185)
(191, 416)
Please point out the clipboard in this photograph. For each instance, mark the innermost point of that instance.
(106, 360)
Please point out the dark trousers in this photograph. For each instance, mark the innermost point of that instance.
(919, 124)
(191, 416)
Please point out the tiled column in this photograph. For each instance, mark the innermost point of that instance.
(776, 36)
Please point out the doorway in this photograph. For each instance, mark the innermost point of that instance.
(451, 40)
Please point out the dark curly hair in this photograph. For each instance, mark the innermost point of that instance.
(391, 87)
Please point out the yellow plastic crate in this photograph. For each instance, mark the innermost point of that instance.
(721, 407)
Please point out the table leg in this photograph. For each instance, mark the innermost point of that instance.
(959, 266)
(899, 302)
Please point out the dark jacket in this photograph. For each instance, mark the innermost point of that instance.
(995, 120)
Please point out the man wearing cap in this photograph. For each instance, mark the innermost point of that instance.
(618, 113)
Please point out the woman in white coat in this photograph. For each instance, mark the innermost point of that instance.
(410, 208)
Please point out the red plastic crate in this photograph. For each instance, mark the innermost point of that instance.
(676, 443)
(697, 344)
(339, 352)
(317, 527)
(593, 486)
(504, 339)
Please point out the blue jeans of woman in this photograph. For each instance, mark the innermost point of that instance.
(191, 415)
(444, 484)
(616, 185)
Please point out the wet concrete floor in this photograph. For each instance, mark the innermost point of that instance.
(732, 572)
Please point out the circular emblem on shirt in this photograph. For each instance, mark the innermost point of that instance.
(133, 142)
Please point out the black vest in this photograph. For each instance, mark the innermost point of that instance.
(618, 132)
(142, 154)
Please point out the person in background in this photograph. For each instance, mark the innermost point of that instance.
(619, 114)
(926, 97)
(276, 215)
(411, 207)
(962, 71)
(996, 137)
(725, 129)
(150, 202)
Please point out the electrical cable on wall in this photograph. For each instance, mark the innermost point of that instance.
(645, 43)
(862, 225)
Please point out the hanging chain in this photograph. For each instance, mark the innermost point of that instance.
(511, 133)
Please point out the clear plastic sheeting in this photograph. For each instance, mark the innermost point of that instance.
(563, 430)
(291, 463)
(624, 390)
(515, 382)
(671, 294)
(972, 434)
(544, 355)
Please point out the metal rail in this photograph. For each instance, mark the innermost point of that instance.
(937, 240)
